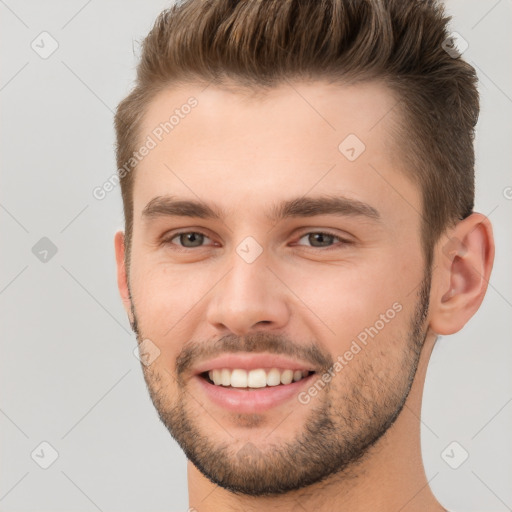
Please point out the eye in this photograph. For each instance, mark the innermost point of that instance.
(319, 239)
(196, 239)
(187, 239)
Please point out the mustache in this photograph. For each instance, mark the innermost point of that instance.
(256, 342)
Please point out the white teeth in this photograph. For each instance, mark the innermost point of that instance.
(225, 377)
(239, 378)
(287, 377)
(274, 377)
(258, 378)
(216, 377)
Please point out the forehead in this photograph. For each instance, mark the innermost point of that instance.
(239, 148)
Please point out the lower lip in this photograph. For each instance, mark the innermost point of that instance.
(247, 400)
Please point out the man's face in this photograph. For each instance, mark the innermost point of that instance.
(251, 290)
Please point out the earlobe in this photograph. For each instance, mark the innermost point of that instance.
(122, 278)
(464, 262)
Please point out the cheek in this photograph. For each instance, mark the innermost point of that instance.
(350, 298)
(166, 301)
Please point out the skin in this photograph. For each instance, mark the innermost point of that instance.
(246, 154)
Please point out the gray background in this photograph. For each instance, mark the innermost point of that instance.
(68, 374)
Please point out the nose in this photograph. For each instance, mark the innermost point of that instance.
(248, 297)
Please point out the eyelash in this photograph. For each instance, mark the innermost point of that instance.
(168, 241)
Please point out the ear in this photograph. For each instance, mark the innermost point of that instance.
(122, 277)
(463, 264)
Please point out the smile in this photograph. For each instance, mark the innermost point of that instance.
(257, 378)
(253, 391)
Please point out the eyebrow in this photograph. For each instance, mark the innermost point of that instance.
(170, 206)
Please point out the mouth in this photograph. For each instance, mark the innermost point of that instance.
(253, 391)
(254, 379)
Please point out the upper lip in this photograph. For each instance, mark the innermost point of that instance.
(251, 362)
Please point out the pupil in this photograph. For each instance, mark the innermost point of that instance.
(194, 238)
(320, 237)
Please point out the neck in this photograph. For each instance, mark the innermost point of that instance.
(390, 477)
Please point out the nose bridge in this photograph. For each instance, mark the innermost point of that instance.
(249, 293)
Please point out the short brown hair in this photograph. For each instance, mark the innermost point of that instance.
(262, 43)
